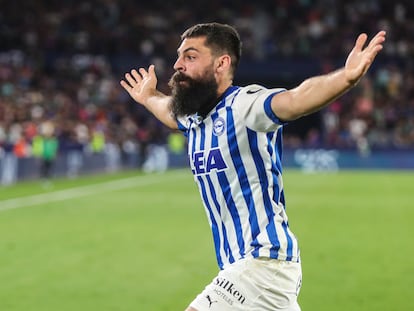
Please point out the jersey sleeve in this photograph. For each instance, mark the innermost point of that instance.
(181, 122)
(253, 105)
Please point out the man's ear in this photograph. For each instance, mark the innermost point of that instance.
(223, 63)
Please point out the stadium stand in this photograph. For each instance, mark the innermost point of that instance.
(60, 63)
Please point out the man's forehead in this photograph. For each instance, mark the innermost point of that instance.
(194, 44)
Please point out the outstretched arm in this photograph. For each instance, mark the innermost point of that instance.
(317, 92)
(142, 87)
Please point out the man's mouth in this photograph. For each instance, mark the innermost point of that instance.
(181, 77)
(183, 82)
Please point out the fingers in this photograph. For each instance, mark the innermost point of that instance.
(360, 42)
(130, 78)
(361, 58)
(135, 77)
(379, 37)
(376, 42)
(151, 70)
(374, 45)
(143, 73)
(126, 86)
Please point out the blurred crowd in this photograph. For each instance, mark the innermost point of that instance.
(61, 62)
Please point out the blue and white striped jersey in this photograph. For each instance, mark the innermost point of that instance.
(235, 155)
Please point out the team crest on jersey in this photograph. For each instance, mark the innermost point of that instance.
(219, 126)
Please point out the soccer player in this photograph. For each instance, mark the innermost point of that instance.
(235, 146)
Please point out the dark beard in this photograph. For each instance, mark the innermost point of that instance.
(195, 96)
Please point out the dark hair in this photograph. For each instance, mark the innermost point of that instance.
(221, 38)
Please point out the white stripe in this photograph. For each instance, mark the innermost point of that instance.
(236, 187)
(78, 192)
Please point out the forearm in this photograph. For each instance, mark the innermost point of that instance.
(311, 95)
(142, 87)
(317, 92)
(159, 106)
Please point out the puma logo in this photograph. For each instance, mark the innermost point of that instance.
(210, 301)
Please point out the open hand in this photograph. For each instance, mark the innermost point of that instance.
(360, 58)
(140, 85)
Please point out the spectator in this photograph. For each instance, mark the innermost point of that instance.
(49, 149)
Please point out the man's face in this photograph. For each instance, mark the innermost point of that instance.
(194, 86)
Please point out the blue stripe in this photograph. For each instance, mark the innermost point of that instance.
(203, 136)
(269, 111)
(192, 149)
(274, 168)
(226, 245)
(182, 128)
(279, 194)
(225, 188)
(227, 93)
(234, 97)
(194, 141)
(242, 174)
(214, 226)
(275, 171)
(259, 163)
(279, 148)
(214, 138)
(231, 206)
(289, 250)
(214, 197)
(282, 198)
(264, 183)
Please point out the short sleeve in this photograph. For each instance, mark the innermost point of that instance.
(181, 123)
(253, 105)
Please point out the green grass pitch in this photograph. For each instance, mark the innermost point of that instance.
(130, 241)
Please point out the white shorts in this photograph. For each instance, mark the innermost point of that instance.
(253, 284)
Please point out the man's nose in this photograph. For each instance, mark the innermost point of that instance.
(178, 65)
